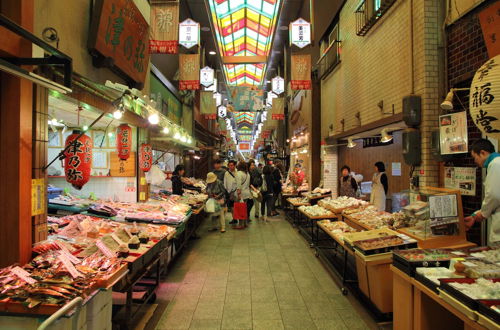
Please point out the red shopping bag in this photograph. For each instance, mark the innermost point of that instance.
(240, 211)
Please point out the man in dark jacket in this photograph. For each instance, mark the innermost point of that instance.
(218, 170)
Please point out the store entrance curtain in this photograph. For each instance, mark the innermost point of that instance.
(164, 27)
(301, 72)
(189, 71)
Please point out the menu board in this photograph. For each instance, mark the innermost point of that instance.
(453, 133)
(461, 178)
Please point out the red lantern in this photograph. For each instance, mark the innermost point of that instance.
(78, 160)
(145, 157)
(124, 141)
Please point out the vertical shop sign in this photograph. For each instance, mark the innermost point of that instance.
(38, 196)
(164, 28)
(484, 98)
(301, 72)
(278, 85)
(278, 109)
(207, 105)
(124, 141)
(453, 137)
(270, 97)
(145, 157)
(119, 38)
(189, 66)
(490, 22)
(189, 33)
(78, 159)
(300, 33)
(222, 113)
(207, 76)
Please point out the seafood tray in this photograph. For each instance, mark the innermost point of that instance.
(409, 260)
(384, 244)
(459, 295)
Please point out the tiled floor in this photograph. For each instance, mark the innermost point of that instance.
(264, 277)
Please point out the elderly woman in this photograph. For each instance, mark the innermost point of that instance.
(243, 187)
(215, 189)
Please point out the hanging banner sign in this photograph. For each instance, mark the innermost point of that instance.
(189, 67)
(124, 141)
(244, 146)
(300, 33)
(222, 111)
(212, 87)
(78, 160)
(189, 33)
(247, 98)
(278, 85)
(453, 137)
(207, 76)
(489, 19)
(301, 72)
(484, 103)
(119, 31)
(278, 109)
(164, 28)
(207, 105)
(145, 157)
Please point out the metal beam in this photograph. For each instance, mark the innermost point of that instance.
(244, 59)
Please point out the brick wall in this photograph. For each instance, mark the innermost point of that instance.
(466, 53)
(378, 67)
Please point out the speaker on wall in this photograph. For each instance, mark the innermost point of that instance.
(412, 147)
(412, 107)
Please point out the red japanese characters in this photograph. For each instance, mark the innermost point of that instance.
(145, 157)
(78, 159)
(124, 141)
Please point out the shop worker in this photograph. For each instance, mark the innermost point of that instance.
(218, 170)
(348, 185)
(380, 185)
(230, 185)
(177, 184)
(299, 175)
(484, 155)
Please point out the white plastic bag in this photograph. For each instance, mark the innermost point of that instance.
(210, 205)
(155, 176)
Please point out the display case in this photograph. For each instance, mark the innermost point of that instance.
(435, 218)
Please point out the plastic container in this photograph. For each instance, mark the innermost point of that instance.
(53, 192)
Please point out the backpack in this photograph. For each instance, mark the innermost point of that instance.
(256, 180)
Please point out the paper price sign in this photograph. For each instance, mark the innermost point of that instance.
(69, 266)
(104, 249)
(23, 275)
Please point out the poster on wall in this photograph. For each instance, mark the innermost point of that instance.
(189, 68)
(461, 178)
(301, 72)
(453, 133)
(164, 28)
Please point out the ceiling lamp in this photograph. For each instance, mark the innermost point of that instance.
(350, 143)
(154, 119)
(448, 101)
(386, 137)
(212, 52)
(118, 114)
(166, 130)
(177, 136)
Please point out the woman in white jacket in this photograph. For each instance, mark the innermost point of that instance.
(484, 155)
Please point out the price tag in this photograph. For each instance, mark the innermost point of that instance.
(458, 253)
(68, 254)
(128, 232)
(117, 240)
(23, 275)
(104, 249)
(80, 228)
(469, 264)
(69, 266)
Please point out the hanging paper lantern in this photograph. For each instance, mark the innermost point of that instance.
(484, 98)
(78, 160)
(145, 157)
(124, 141)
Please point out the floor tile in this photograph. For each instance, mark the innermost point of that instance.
(297, 319)
(268, 324)
(266, 311)
(205, 324)
(237, 319)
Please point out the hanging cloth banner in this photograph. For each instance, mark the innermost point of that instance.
(278, 109)
(247, 98)
(164, 28)
(189, 71)
(301, 72)
(207, 105)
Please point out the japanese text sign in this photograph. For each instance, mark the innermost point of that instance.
(189, 33)
(164, 28)
(300, 33)
(301, 72)
(189, 71)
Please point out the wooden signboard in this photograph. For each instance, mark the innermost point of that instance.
(119, 39)
(490, 20)
(122, 167)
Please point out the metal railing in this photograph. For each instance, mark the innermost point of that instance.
(329, 60)
(368, 14)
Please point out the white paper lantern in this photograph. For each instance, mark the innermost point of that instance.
(484, 103)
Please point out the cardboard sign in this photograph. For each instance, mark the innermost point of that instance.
(120, 32)
(122, 168)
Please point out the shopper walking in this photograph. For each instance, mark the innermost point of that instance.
(484, 155)
(230, 185)
(277, 183)
(177, 183)
(348, 185)
(215, 190)
(267, 191)
(243, 186)
(380, 186)
(218, 170)
(256, 183)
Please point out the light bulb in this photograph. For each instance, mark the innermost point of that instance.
(110, 134)
(118, 114)
(53, 121)
(166, 130)
(154, 119)
(85, 128)
(177, 136)
(190, 141)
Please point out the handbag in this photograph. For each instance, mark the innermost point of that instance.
(256, 194)
(210, 205)
(240, 211)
